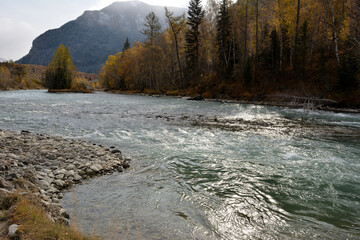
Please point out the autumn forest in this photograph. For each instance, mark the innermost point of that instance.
(246, 49)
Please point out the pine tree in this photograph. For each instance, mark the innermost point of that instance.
(223, 40)
(126, 45)
(195, 17)
(152, 27)
(61, 70)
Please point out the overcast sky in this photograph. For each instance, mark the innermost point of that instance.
(21, 21)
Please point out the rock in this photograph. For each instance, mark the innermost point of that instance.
(59, 183)
(120, 169)
(54, 208)
(116, 151)
(44, 184)
(5, 184)
(77, 177)
(59, 171)
(60, 176)
(49, 179)
(70, 167)
(51, 156)
(12, 176)
(42, 174)
(70, 173)
(64, 213)
(196, 98)
(53, 190)
(125, 164)
(12, 231)
(96, 168)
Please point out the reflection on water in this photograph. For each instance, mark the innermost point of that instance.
(205, 170)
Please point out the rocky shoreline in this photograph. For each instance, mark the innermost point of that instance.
(44, 166)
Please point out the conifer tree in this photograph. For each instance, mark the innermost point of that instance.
(223, 40)
(195, 17)
(126, 45)
(61, 70)
(152, 27)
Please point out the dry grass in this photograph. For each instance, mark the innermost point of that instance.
(35, 224)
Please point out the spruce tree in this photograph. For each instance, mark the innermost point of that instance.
(60, 71)
(126, 45)
(195, 17)
(223, 40)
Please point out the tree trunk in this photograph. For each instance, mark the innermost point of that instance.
(178, 58)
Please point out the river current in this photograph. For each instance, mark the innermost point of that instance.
(204, 170)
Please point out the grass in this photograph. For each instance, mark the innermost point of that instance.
(35, 224)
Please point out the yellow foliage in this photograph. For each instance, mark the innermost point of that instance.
(80, 84)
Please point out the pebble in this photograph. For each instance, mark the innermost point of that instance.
(46, 166)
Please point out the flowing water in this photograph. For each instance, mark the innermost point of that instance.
(205, 170)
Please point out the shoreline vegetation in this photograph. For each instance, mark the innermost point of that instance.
(246, 50)
(34, 172)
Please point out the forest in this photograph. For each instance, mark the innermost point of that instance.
(244, 50)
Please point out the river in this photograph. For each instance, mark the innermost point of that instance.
(204, 170)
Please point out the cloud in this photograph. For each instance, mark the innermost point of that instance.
(16, 38)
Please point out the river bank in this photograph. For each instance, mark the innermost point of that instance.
(288, 101)
(42, 167)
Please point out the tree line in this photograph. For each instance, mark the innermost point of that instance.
(246, 48)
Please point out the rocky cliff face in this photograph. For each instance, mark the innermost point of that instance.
(95, 35)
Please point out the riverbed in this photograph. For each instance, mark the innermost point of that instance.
(204, 170)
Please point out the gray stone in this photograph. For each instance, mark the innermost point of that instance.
(49, 180)
(44, 184)
(64, 213)
(70, 173)
(77, 177)
(70, 167)
(41, 174)
(12, 231)
(96, 168)
(59, 171)
(5, 184)
(53, 190)
(59, 183)
(60, 176)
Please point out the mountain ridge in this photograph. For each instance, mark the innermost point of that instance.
(96, 34)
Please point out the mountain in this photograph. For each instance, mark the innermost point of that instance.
(95, 35)
(2, 60)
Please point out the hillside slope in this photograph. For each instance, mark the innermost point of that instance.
(95, 35)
